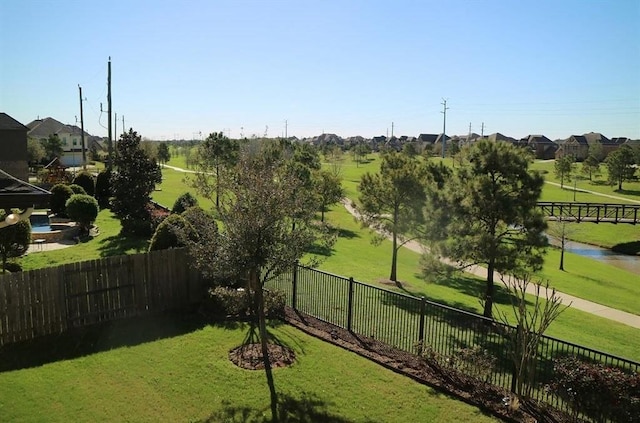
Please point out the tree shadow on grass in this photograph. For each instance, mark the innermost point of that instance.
(633, 192)
(631, 248)
(101, 337)
(305, 408)
(119, 244)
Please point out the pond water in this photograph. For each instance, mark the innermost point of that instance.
(623, 261)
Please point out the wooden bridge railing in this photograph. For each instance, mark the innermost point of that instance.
(591, 212)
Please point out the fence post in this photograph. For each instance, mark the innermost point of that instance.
(294, 291)
(421, 327)
(350, 305)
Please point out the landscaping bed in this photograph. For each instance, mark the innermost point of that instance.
(485, 396)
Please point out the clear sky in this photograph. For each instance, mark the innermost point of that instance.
(181, 68)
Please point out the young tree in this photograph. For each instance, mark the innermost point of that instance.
(591, 166)
(14, 239)
(392, 200)
(163, 153)
(620, 164)
(486, 212)
(532, 321)
(53, 147)
(561, 230)
(35, 151)
(564, 168)
(329, 189)
(216, 153)
(132, 182)
(596, 150)
(258, 198)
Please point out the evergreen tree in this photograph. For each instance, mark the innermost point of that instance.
(134, 178)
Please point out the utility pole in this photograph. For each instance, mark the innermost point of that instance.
(392, 125)
(444, 125)
(124, 129)
(115, 128)
(110, 163)
(482, 130)
(84, 150)
(286, 133)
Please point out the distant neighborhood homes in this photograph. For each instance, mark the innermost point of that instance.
(70, 136)
(578, 146)
(13, 144)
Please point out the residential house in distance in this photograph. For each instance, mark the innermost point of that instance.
(13, 145)
(542, 147)
(576, 146)
(607, 145)
(70, 135)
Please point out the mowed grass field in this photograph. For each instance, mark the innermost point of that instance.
(169, 369)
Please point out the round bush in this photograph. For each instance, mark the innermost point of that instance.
(173, 232)
(77, 189)
(103, 188)
(83, 209)
(15, 239)
(60, 193)
(86, 181)
(183, 202)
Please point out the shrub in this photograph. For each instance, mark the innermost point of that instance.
(183, 202)
(83, 209)
(60, 193)
(274, 302)
(601, 392)
(15, 239)
(103, 189)
(229, 301)
(13, 267)
(172, 233)
(237, 302)
(86, 181)
(77, 189)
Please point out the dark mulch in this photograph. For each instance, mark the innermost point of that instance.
(487, 397)
(249, 356)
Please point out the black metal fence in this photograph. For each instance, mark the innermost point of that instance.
(417, 325)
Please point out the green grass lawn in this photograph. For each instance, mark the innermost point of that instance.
(169, 369)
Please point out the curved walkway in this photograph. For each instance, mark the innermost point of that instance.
(588, 191)
(577, 303)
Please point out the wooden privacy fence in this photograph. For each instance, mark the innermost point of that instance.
(52, 300)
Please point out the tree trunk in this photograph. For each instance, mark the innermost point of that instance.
(562, 242)
(488, 295)
(394, 259)
(262, 328)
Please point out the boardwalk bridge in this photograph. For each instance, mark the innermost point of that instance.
(591, 212)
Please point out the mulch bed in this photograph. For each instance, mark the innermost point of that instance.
(250, 356)
(487, 397)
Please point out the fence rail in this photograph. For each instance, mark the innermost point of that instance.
(415, 324)
(53, 300)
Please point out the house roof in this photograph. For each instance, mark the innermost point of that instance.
(538, 139)
(42, 128)
(15, 193)
(9, 123)
(428, 138)
(593, 137)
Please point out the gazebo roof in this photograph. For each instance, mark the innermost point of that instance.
(15, 193)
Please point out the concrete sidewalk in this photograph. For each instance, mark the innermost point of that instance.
(596, 309)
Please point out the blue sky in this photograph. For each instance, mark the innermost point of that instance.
(557, 67)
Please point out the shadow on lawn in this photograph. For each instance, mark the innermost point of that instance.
(632, 248)
(118, 244)
(306, 409)
(102, 337)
